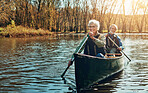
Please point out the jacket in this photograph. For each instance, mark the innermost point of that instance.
(93, 47)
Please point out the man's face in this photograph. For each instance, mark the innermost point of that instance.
(113, 29)
(92, 28)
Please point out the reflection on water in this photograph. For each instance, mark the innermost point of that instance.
(35, 64)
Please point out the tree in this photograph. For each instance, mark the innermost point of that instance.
(140, 20)
(6, 12)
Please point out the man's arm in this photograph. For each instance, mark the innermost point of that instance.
(100, 42)
(120, 44)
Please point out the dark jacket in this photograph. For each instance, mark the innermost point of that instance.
(92, 49)
(110, 44)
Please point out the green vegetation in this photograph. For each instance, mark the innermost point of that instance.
(1, 29)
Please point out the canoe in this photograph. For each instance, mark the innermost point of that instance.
(90, 70)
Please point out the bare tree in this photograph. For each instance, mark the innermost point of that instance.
(140, 21)
(110, 19)
(124, 20)
(7, 12)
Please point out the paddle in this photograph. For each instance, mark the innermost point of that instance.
(78, 50)
(118, 47)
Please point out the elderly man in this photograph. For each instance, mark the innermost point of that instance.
(95, 45)
(110, 46)
(96, 42)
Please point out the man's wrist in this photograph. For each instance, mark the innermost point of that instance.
(93, 38)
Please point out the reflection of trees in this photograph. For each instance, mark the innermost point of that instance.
(139, 66)
(134, 37)
(69, 36)
(138, 47)
(8, 45)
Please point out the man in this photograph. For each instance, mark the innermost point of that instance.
(110, 46)
(96, 41)
(95, 45)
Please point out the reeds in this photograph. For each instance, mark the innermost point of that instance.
(20, 31)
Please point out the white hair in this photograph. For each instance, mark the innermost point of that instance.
(97, 23)
(114, 26)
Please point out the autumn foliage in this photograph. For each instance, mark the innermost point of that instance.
(71, 15)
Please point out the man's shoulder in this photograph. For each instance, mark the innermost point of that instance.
(101, 36)
(117, 36)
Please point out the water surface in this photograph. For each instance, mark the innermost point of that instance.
(34, 65)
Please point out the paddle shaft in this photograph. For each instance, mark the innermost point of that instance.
(65, 71)
(78, 50)
(118, 47)
(113, 53)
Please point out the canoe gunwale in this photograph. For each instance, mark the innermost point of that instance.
(98, 57)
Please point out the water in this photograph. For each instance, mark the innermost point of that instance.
(34, 65)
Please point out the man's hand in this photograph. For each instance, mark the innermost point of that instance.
(119, 48)
(70, 63)
(91, 35)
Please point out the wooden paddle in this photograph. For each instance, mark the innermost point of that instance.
(78, 50)
(118, 47)
(118, 54)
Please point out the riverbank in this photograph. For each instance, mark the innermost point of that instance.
(20, 31)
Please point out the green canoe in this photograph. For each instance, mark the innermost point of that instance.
(90, 70)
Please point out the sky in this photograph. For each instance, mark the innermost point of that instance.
(128, 5)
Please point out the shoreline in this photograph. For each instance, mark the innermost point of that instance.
(22, 32)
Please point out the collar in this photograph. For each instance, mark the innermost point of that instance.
(97, 33)
(111, 34)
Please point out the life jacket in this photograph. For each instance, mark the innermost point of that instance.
(109, 43)
(92, 49)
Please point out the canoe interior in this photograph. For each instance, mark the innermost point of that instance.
(90, 70)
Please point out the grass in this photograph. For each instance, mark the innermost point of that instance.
(20, 31)
(1, 29)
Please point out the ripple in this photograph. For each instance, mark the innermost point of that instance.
(35, 65)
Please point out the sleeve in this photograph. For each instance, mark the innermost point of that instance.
(100, 42)
(120, 42)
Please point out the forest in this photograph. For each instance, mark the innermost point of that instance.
(73, 15)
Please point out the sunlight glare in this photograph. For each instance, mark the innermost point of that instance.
(129, 3)
(128, 6)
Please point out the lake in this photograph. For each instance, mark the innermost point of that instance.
(34, 65)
